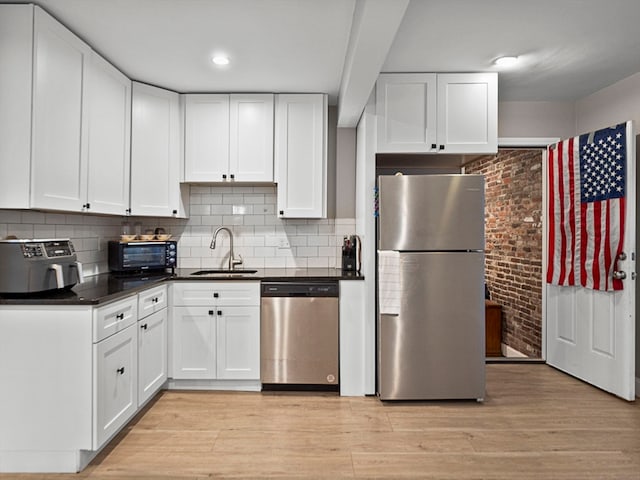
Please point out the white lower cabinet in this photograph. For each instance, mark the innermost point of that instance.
(152, 355)
(215, 333)
(73, 375)
(115, 383)
(193, 339)
(238, 343)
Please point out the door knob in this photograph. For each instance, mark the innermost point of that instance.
(619, 275)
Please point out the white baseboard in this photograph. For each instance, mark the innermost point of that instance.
(507, 351)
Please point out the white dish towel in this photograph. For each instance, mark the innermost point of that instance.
(389, 282)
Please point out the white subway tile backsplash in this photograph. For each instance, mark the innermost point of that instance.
(298, 240)
(221, 209)
(318, 262)
(212, 199)
(263, 239)
(189, 262)
(200, 209)
(306, 251)
(318, 241)
(214, 220)
(55, 218)
(10, 216)
(200, 189)
(232, 199)
(275, 262)
(232, 220)
(32, 217)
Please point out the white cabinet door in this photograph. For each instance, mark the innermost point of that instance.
(229, 138)
(251, 137)
(406, 109)
(238, 342)
(437, 113)
(115, 383)
(108, 138)
(155, 152)
(301, 155)
(193, 341)
(152, 354)
(206, 138)
(16, 47)
(468, 112)
(58, 168)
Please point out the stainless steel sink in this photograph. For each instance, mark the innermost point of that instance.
(225, 271)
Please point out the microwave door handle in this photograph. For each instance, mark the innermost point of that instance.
(59, 277)
(79, 271)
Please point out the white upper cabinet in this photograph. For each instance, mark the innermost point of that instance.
(206, 138)
(58, 163)
(65, 118)
(406, 110)
(155, 152)
(437, 113)
(229, 138)
(108, 94)
(468, 112)
(16, 37)
(301, 155)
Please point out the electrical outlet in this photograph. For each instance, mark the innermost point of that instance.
(283, 243)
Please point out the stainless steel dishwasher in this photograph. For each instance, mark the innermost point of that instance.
(299, 335)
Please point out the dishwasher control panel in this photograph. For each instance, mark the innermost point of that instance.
(300, 289)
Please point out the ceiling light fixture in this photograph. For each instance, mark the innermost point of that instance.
(507, 61)
(220, 60)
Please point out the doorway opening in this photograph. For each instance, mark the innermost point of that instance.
(514, 234)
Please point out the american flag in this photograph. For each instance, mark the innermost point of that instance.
(586, 191)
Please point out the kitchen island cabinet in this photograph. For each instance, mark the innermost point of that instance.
(437, 113)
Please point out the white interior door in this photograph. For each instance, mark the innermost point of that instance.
(590, 334)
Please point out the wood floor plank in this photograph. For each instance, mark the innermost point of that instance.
(535, 423)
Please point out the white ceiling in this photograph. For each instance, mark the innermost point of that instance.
(569, 48)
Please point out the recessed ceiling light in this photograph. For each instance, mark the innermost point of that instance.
(505, 61)
(220, 60)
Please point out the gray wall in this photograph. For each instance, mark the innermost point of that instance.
(536, 119)
(346, 173)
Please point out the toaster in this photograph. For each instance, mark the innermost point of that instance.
(32, 266)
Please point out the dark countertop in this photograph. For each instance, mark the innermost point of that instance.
(273, 275)
(107, 287)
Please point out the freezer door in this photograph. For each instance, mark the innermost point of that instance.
(431, 212)
(434, 348)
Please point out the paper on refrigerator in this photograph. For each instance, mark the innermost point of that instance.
(389, 282)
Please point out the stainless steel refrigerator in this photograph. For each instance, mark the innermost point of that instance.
(431, 287)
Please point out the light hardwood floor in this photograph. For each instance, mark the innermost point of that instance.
(535, 423)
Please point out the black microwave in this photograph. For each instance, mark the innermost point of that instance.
(142, 256)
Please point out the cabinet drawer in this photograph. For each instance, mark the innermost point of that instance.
(114, 317)
(231, 293)
(152, 300)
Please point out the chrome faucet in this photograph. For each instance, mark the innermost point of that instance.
(232, 260)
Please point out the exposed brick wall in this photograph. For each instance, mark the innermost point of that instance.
(514, 243)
